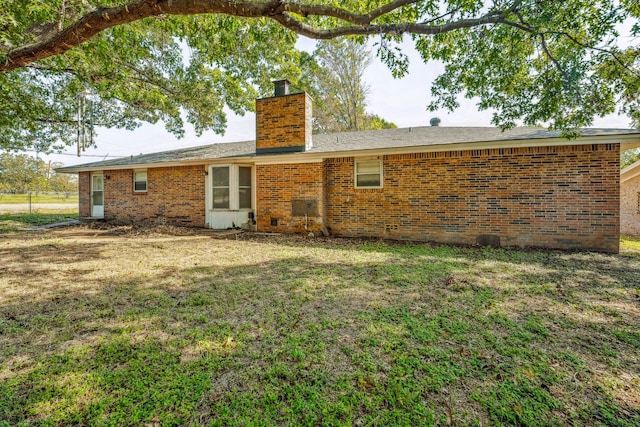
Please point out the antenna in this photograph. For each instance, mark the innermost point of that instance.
(85, 121)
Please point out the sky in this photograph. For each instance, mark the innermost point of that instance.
(401, 101)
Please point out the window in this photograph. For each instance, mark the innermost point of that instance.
(244, 187)
(220, 187)
(97, 190)
(368, 174)
(140, 181)
(231, 187)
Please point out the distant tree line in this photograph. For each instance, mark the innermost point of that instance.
(21, 173)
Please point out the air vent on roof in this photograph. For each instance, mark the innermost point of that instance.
(435, 121)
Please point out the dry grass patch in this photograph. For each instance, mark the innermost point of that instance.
(150, 327)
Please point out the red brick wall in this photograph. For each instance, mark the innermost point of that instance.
(630, 207)
(175, 195)
(557, 197)
(84, 191)
(283, 121)
(278, 187)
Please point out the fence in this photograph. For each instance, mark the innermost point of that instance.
(11, 201)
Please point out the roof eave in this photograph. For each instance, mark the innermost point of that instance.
(630, 172)
(630, 140)
(458, 146)
(147, 165)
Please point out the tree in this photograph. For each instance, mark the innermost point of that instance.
(343, 63)
(375, 122)
(228, 64)
(629, 157)
(22, 173)
(334, 76)
(533, 61)
(61, 182)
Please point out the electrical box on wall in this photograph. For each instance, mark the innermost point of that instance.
(304, 207)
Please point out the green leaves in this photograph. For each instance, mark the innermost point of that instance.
(542, 68)
(558, 64)
(334, 77)
(22, 173)
(173, 69)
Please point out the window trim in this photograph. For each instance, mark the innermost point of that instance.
(146, 180)
(356, 174)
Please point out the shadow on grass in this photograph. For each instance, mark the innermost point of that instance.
(373, 334)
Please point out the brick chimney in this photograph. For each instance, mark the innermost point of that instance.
(283, 122)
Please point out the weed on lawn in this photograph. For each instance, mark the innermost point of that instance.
(97, 329)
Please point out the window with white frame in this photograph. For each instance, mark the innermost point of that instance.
(140, 181)
(232, 187)
(244, 187)
(368, 173)
(220, 187)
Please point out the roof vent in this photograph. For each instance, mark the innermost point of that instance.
(435, 121)
(281, 87)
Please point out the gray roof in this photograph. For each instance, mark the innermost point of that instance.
(358, 141)
(436, 135)
(202, 152)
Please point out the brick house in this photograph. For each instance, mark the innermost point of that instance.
(630, 200)
(524, 187)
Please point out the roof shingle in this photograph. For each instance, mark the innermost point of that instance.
(352, 141)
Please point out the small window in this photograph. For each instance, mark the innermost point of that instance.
(639, 202)
(140, 181)
(369, 174)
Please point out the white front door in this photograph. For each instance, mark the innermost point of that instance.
(230, 195)
(97, 195)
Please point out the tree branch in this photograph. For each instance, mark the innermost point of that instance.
(451, 12)
(141, 76)
(145, 77)
(304, 29)
(38, 67)
(554, 61)
(525, 27)
(613, 54)
(56, 121)
(383, 10)
(92, 23)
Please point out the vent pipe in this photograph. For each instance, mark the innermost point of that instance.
(434, 121)
(281, 87)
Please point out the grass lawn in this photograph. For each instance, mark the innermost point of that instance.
(10, 199)
(97, 329)
(14, 222)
